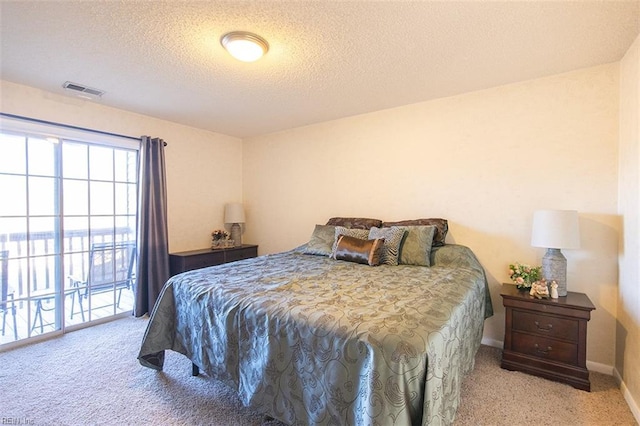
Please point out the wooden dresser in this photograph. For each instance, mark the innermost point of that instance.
(547, 337)
(194, 259)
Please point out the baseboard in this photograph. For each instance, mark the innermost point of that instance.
(600, 368)
(633, 405)
(493, 343)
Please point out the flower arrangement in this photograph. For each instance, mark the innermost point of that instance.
(220, 239)
(220, 234)
(524, 275)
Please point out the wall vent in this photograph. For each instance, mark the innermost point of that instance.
(83, 91)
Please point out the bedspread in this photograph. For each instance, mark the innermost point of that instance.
(311, 340)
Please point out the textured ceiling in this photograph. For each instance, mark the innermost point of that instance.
(327, 59)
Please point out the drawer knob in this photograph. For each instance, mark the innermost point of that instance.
(543, 351)
(547, 328)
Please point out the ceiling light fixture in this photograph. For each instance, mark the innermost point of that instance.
(244, 46)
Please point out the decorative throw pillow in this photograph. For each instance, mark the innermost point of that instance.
(366, 252)
(355, 222)
(363, 234)
(321, 242)
(392, 239)
(442, 227)
(416, 245)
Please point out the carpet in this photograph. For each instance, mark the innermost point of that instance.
(92, 377)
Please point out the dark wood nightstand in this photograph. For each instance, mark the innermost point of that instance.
(547, 337)
(194, 259)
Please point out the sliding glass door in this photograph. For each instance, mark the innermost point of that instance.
(67, 232)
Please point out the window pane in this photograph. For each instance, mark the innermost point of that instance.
(42, 160)
(17, 271)
(126, 163)
(12, 231)
(76, 267)
(14, 195)
(74, 160)
(76, 234)
(126, 198)
(42, 196)
(12, 154)
(42, 236)
(76, 197)
(100, 163)
(125, 228)
(101, 229)
(42, 277)
(101, 198)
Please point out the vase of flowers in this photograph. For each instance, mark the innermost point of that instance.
(524, 275)
(220, 239)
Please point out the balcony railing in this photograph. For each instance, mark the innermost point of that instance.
(36, 254)
(33, 269)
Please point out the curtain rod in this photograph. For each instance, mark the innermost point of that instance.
(68, 126)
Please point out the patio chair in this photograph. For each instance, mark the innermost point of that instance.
(6, 303)
(110, 266)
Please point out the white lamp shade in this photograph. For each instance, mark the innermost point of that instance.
(233, 213)
(555, 229)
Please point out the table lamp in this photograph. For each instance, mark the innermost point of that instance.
(234, 214)
(555, 230)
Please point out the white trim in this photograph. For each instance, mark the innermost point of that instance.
(600, 368)
(493, 343)
(633, 405)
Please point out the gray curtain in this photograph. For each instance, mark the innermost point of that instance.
(153, 241)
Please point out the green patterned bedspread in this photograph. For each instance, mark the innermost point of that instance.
(311, 340)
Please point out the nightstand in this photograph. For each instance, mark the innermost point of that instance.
(547, 337)
(194, 259)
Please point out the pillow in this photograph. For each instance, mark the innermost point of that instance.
(392, 239)
(362, 234)
(354, 222)
(442, 227)
(366, 252)
(321, 242)
(415, 248)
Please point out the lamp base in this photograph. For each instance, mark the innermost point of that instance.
(236, 234)
(554, 268)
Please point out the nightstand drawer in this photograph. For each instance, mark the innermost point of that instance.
(541, 347)
(244, 253)
(196, 259)
(202, 261)
(546, 325)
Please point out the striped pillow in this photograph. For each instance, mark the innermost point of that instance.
(392, 239)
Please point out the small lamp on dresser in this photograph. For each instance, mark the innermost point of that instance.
(555, 230)
(234, 215)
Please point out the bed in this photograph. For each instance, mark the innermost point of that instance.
(307, 338)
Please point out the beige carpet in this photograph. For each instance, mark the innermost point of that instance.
(92, 377)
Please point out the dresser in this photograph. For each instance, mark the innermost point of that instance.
(195, 259)
(547, 337)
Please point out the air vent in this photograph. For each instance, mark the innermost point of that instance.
(83, 91)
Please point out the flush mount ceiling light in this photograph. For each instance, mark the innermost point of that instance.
(244, 46)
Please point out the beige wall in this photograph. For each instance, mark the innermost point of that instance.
(484, 160)
(628, 326)
(203, 168)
